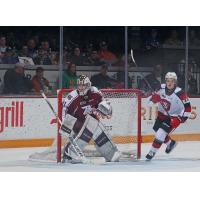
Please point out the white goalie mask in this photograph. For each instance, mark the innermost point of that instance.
(171, 75)
(83, 84)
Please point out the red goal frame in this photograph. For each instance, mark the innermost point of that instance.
(139, 135)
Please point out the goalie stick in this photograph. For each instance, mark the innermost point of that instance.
(70, 137)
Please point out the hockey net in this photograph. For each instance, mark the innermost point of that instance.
(124, 126)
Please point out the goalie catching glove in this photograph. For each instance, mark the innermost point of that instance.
(104, 110)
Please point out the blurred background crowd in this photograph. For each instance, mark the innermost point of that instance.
(156, 50)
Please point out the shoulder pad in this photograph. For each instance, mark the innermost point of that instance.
(178, 90)
(181, 94)
(94, 89)
(73, 94)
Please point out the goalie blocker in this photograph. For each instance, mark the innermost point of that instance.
(91, 129)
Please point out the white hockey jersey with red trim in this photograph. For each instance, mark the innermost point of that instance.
(176, 104)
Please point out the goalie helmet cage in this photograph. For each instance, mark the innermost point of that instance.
(108, 93)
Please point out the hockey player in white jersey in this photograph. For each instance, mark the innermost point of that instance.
(173, 109)
(82, 110)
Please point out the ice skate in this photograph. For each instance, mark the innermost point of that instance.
(171, 146)
(150, 155)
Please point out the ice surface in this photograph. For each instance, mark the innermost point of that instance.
(185, 157)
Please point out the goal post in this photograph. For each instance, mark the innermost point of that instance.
(125, 127)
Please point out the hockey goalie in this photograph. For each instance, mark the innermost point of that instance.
(82, 110)
(173, 109)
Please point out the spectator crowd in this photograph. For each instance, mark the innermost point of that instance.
(42, 49)
(95, 49)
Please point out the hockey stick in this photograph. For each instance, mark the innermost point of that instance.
(70, 137)
(140, 72)
(143, 77)
(152, 90)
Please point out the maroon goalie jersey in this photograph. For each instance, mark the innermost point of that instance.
(79, 106)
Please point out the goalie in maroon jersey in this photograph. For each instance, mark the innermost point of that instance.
(173, 109)
(82, 109)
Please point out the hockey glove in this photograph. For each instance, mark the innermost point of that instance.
(104, 110)
(155, 98)
(88, 110)
(175, 122)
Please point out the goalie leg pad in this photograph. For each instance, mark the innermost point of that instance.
(86, 133)
(104, 145)
(82, 139)
(67, 125)
(103, 142)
